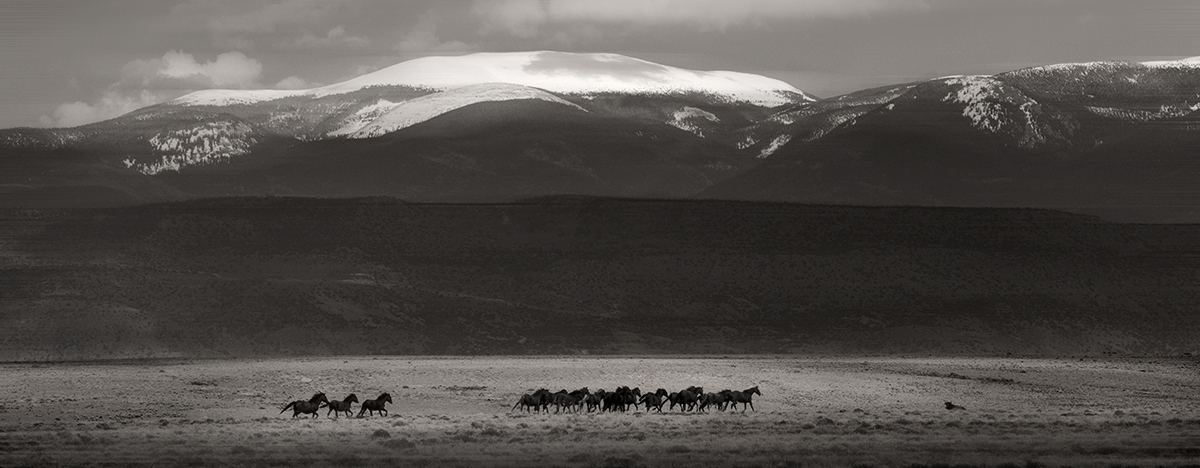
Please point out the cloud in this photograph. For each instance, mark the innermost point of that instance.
(242, 24)
(112, 104)
(181, 71)
(335, 38)
(146, 82)
(423, 37)
(294, 82)
(526, 18)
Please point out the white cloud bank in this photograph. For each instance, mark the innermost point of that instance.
(146, 82)
(423, 38)
(245, 24)
(524, 18)
(230, 69)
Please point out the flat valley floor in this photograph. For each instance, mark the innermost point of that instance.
(851, 411)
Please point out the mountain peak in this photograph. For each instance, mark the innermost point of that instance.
(557, 72)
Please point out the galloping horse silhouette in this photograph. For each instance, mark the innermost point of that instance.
(687, 398)
(537, 400)
(654, 400)
(744, 397)
(339, 407)
(306, 407)
(371, 406)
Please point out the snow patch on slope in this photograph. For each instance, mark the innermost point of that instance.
(1139, 115)
(747, 142)
(994, 106)
(685, 119)
(232, 97)
(363, 117)
(206, 143)
(774, 145)
(980, 97)
(835, 121)
(415, 111)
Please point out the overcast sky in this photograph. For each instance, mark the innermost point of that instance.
(69, 62)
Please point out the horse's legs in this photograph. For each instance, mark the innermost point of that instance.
(751, 402)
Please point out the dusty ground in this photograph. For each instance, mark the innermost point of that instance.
(455, 411)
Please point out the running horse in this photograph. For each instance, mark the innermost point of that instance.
(371, 406)
(744, 397)
(654, 400)
(339, 407)
(306, 407)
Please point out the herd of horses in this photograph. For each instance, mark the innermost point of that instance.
(619, 400)
(319, 401)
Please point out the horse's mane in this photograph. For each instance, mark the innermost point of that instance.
(316, 397)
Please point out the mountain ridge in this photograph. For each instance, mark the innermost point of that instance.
(1078, 137)
(559, 72)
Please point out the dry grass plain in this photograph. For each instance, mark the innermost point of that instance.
(853, 411)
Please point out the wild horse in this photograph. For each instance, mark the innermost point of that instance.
(371, 406)
(538, 400)
(744, 397)
(306, 407)
(339, 407)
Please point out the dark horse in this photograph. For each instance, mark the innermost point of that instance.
(339, 407)
(306, 407)
(714, 399)
(687, 398)
(371, 406)
(538, 400)
(595, 400)
(744, 397)
(654, 400)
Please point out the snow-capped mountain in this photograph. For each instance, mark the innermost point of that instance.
(342, 109)
(556, 72)
(491, 127)
(221, 126)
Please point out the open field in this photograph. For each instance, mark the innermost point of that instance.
(861, 411)
(254, 277)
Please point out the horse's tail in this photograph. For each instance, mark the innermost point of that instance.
(285, 408)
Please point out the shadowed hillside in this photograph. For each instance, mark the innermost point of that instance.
(282, 276)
